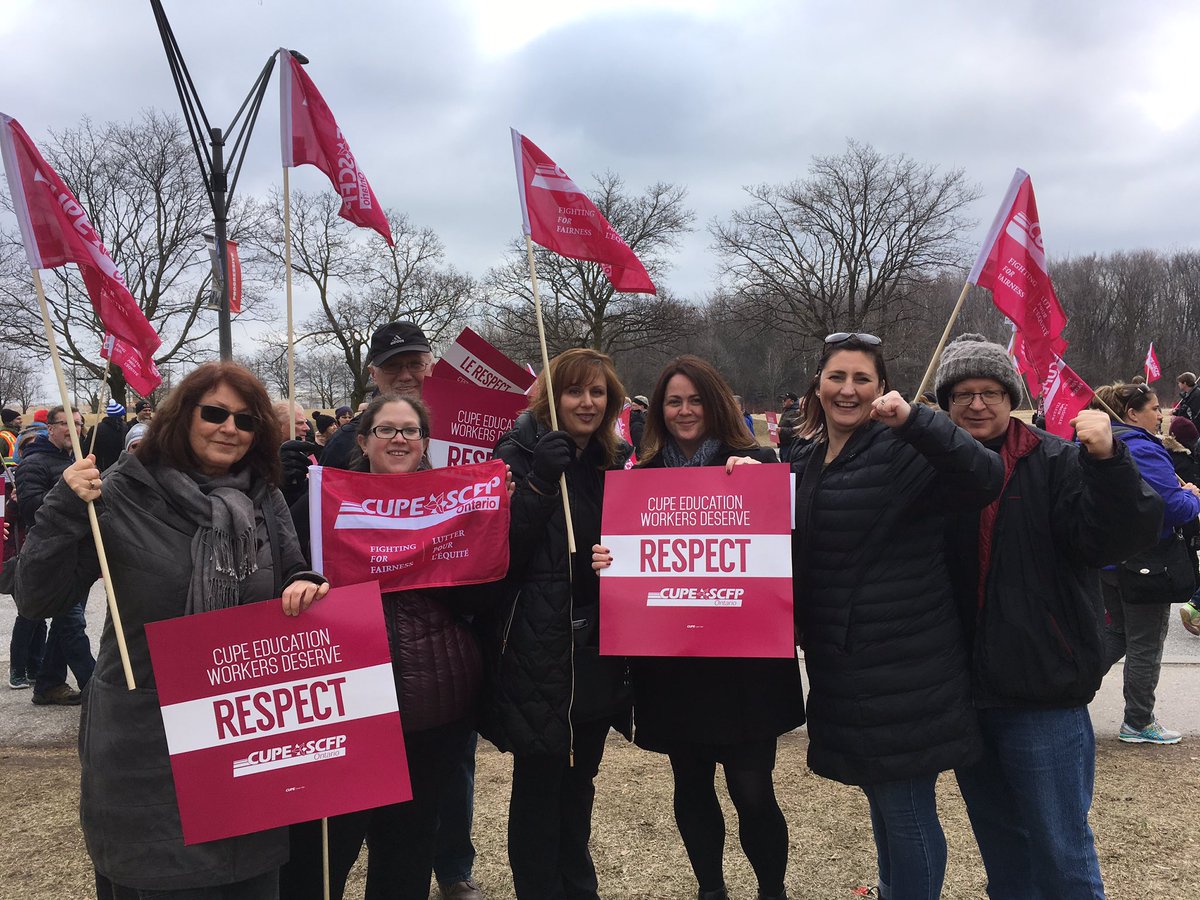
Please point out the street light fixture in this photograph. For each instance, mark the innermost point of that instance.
(209, 146)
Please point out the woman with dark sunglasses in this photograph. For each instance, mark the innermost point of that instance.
(889, 704)
(192, 521)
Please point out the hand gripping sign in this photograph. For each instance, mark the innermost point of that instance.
(272, 719)
(424, 529)
(702, 563)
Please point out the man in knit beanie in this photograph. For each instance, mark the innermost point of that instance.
(109, 436)
(1025, 577)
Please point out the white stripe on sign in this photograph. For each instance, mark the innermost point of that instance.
(699, 555)
(271, 709)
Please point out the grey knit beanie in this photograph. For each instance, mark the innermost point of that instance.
(974, 356)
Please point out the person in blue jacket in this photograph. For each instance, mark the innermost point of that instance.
(1138, 630)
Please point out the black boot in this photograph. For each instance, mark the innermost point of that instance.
(719, 894)
(782, 895)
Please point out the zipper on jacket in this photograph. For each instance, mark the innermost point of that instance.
(571, 634)
(512, 612)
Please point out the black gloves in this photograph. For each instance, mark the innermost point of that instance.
(551, 457)
(294, 455)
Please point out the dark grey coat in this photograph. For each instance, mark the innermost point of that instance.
(127, 805)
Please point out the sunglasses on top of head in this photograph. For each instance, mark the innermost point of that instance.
(217, 415)
(842, 337)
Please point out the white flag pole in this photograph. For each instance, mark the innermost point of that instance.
(75, 446)
(287, 265)
(103, 383)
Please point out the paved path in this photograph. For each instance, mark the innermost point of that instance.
(23, 724)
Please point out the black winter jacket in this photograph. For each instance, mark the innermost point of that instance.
(889, 693)
(1030, 594)
(42, 465)
(541, 645)
(715, 701)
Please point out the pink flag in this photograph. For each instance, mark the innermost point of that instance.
(560, 217)
(1016, 350)
(1063, 396)
(140, 371)
(1012, 265)
(310, 136)
(1153, 370)
(55, 231)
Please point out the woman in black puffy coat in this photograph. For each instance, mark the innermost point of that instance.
(551, 697)
(701, 712)
(889, 703)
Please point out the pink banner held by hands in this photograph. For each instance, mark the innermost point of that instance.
(1012, 265)
(1064, 394)
(310, 136)
(1153, 369)
(560, 217)
(55, 231)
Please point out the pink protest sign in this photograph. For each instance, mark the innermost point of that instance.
(467, 420)
(702, 563)
(272, 719)
(473, 360)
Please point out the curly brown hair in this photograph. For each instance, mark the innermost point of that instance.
(168, 439)
(722, 417)
(578, 367)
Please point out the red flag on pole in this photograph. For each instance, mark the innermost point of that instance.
(1016, 350)
(310, 136)
(560, 217)
(140, 371)
(55, 231)
(1153, 370)
(1012, 265)
(1064, 395)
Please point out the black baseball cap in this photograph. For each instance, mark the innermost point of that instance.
(397, 337)
(142, 405)
(788, 395)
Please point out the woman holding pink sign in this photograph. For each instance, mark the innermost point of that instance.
(701, 712)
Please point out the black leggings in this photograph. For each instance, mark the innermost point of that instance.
(761, 826)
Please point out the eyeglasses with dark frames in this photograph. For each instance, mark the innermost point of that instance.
(843, 337)
(216, 415)
(409, 432)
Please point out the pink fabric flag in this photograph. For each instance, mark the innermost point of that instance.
(1016, 350)
(310, 136)
(1012, 265)
(560, 217)
(140, 371)
(55, 231)
(1153, 369)
(1064, 395)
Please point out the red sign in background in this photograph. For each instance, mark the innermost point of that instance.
(467, 420)
(702, 563)
(274, 719)
(425, 529)
(472, 360)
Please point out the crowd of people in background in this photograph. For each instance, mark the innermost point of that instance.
(962, 582)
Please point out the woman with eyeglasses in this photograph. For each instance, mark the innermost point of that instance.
(889, 704)
(438, 669)
(192, 521)
(705, 712)
(551, 697)
(1136, 626)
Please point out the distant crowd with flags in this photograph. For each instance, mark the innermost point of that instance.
(957, 580)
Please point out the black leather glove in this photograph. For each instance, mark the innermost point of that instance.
(294, 455)
(551, 457)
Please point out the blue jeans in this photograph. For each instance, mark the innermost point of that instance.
(27, 646)
(454, 854)
(67, 645)
(1028, 800)
(909, 840)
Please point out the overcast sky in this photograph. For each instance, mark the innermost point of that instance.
(1097, 100)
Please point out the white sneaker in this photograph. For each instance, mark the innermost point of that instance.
(1151, 734)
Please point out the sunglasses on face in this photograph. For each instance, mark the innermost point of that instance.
(841, 337)
(217, 415)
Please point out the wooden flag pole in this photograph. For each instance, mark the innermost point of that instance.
(291, 352)
(937, 352)
(537, 306)
(103, 382)
(325, 853)
(75, 446)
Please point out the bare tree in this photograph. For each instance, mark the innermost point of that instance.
(19, 379)
(580, 307)
(362, 284)
(139, 185)
(848, 247)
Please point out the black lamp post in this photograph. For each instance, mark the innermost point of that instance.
(209, 146)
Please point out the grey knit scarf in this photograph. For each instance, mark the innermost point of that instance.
(674, 457)
(224, 549)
